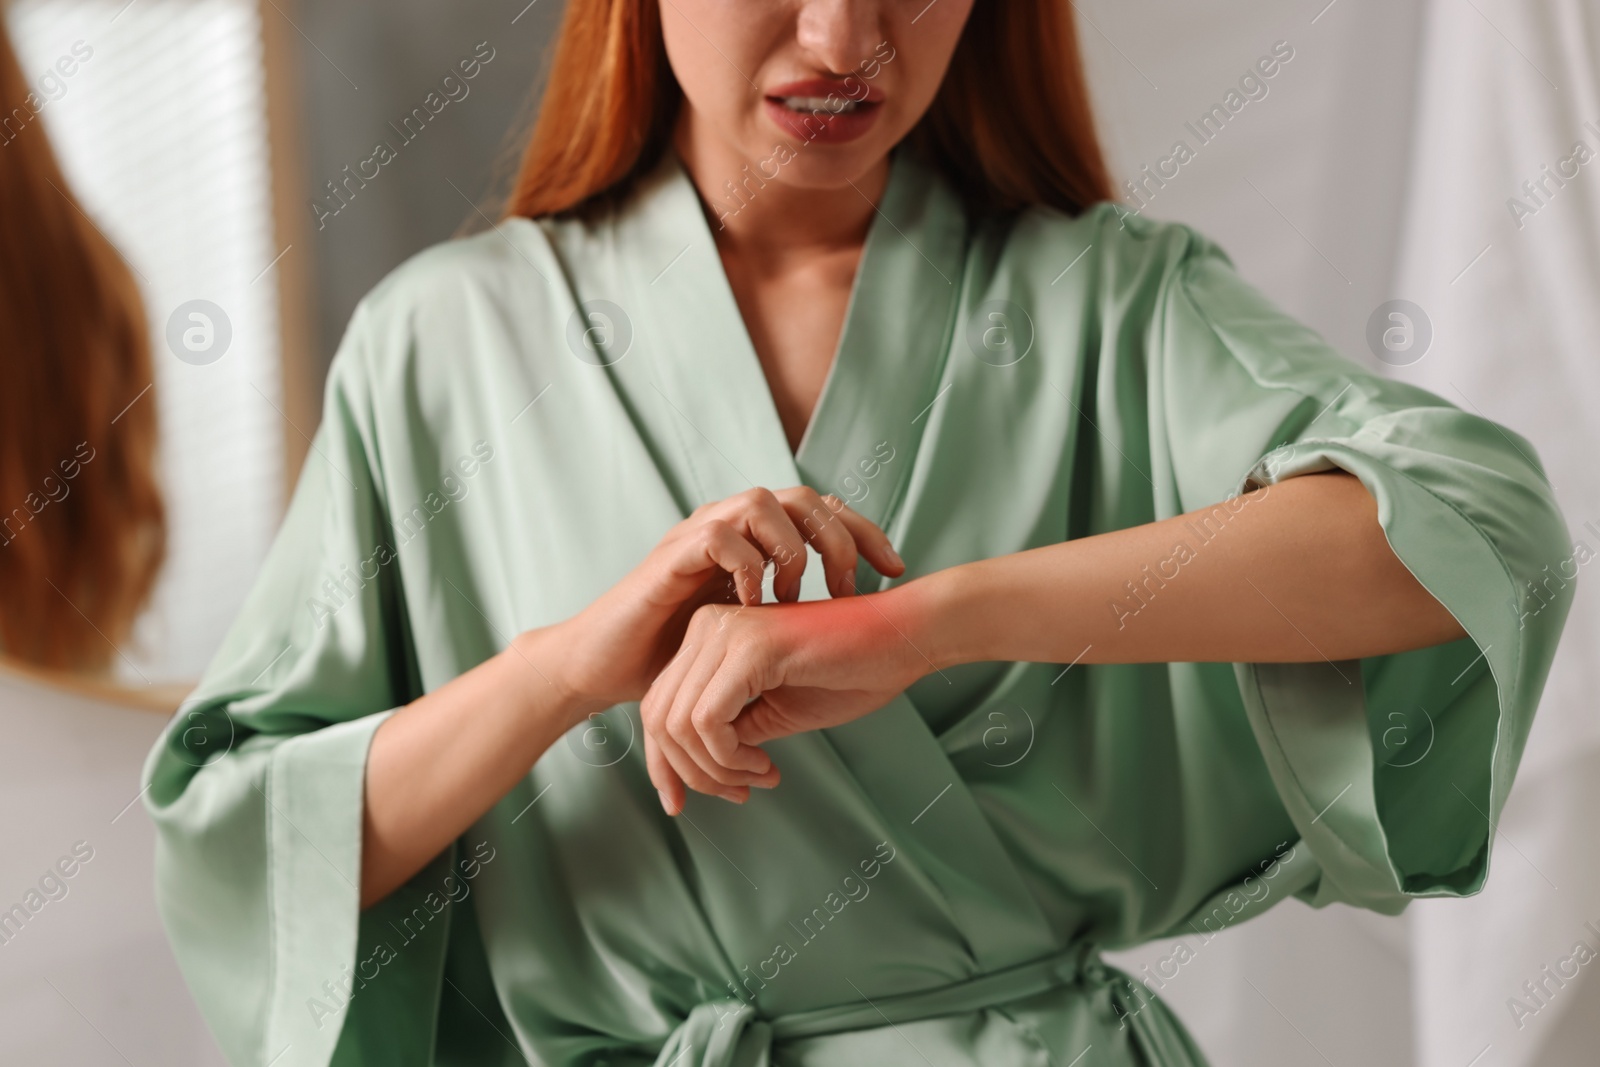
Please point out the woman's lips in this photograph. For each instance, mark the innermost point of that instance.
(819, 110)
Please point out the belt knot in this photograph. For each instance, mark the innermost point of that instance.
(719, 1033)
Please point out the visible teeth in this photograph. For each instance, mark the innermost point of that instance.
(836, 104)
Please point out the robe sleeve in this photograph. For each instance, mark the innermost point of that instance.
(1394, 769)
(256, 786)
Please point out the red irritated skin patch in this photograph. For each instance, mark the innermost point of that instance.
(790, 668)
(845, 626)
(749, 675)
(841, 637)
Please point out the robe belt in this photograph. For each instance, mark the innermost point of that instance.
(730, 1032)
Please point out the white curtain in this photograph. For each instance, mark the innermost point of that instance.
(1509, 274)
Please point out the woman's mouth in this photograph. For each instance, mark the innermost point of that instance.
(809, 104)
(824, 111)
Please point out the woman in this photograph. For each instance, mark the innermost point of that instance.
(1173, 572)
(82, 526)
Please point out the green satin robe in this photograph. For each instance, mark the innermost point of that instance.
(933, 882)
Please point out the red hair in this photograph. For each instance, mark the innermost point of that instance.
(82, 526)
(1011, 127)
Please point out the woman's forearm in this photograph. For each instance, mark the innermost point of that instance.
(1299, 571)
(443, 760)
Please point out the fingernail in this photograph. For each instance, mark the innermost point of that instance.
(666, 805)
(894, 557)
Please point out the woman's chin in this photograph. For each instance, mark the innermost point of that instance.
(816, 167)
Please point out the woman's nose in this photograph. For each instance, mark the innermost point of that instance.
(840, 34)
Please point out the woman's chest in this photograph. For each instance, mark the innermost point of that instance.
(794, 314)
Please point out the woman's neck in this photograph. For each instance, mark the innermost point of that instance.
(790, 255)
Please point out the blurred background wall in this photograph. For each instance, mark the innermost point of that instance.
(1378, 163)
(365, 66)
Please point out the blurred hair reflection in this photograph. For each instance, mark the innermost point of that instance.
(82, 524)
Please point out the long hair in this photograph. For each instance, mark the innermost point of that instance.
(1011, 126)
(82, 526)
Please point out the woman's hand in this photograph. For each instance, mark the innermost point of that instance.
(747, 675)
(428, 779)
(614, 648)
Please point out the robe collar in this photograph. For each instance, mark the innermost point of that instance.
(885, 376)
(696, 380)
